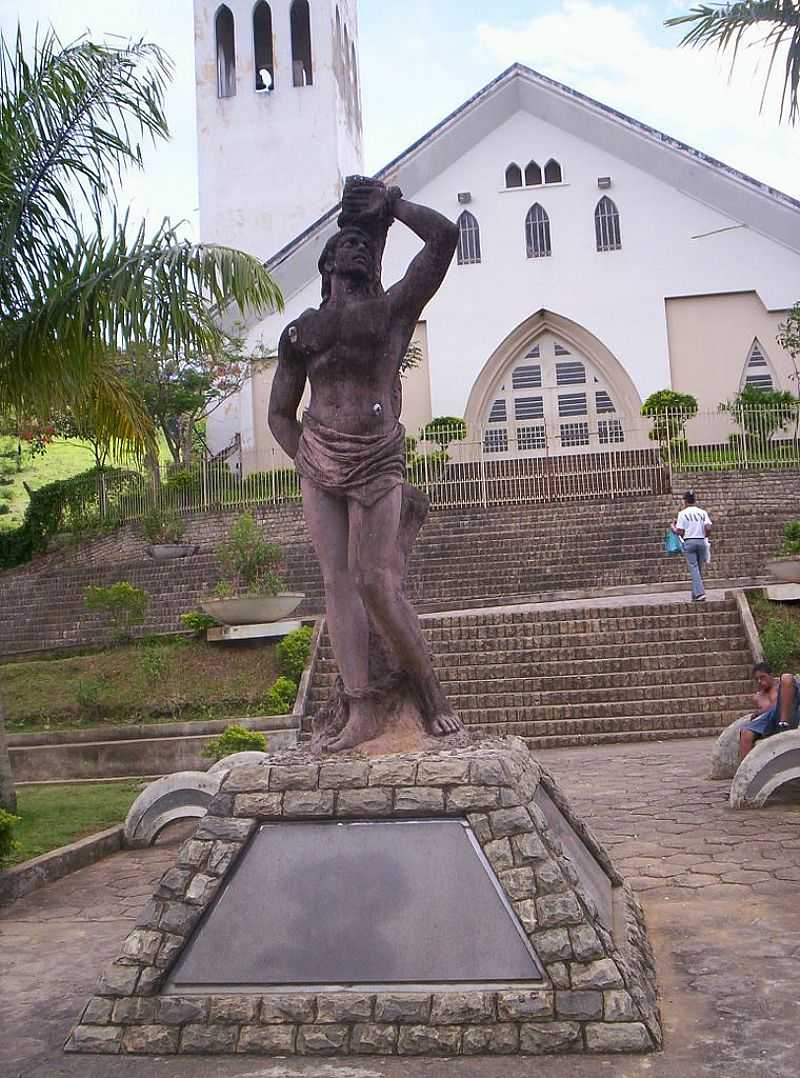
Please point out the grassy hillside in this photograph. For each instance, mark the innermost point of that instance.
(62, 459)
(172, 678)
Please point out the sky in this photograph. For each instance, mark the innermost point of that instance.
(420, 59)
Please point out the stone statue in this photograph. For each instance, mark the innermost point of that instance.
(349, 453)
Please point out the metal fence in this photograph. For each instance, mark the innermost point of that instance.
(497, 464)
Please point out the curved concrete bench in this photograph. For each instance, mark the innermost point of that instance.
(725, 754)
(236, 759)
(175, 797)
(771, 763)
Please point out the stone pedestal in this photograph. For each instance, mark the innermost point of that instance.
(572, 970)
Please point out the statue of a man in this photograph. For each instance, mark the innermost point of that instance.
(349, 450)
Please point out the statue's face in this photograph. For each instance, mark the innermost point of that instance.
(354, 255)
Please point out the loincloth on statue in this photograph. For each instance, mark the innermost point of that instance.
(365, 467)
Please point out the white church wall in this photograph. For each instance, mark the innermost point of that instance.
(672, 245)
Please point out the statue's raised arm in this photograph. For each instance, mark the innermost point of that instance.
(427, 269)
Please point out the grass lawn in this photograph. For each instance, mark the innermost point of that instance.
(779, 629)
(172, 678)
(54, 816)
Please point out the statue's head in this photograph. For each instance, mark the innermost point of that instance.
(351, 252)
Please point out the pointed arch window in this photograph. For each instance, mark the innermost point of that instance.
(757, 372)
(262, 47)
(552, 172)
(533, 175)
(300, 28)
(606, 225)
(513, 176)
(537, 232)
(469, 239)
(226, 52)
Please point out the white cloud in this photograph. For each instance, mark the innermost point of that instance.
(603, 50)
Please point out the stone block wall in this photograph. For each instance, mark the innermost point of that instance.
(598, 993)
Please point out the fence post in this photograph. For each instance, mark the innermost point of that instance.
(204, 479)
(102, 495)
(482, 463)
(669, 451)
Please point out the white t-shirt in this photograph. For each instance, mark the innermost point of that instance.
(693, 520)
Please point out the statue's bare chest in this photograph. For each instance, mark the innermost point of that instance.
(352, 336)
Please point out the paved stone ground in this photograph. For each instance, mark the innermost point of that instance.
(719, 888)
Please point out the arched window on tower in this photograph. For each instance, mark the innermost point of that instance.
(606, 225)
(552, 172)
(469, 239)
(300, 25)
(533, 174)
(262, 47)
(226, 52)
(537, 232)
(513, 176)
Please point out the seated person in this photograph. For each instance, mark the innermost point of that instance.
(777, 703)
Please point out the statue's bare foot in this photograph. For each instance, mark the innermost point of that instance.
(360, 727)
(447, 722)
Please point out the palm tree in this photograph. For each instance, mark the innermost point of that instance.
(727, 25)
(78, 282)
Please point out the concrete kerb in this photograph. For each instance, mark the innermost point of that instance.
(749, 626)
(771, 763)
(30, 875)
(725, 754)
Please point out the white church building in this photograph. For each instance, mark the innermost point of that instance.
(599, 260)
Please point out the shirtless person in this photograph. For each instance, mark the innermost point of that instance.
(777, 703)
(349, 451)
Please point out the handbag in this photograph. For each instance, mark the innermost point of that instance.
(673, 544)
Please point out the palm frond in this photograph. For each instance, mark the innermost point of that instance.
(726, 26)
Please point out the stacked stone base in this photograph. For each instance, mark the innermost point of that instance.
(598, 992)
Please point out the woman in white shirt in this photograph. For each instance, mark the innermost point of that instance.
(693, 525)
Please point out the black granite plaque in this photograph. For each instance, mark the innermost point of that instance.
(374, 903)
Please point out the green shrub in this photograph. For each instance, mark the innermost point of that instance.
(8, 844)
(293, 652)
(158, 526)
(791, 538)
(669, 411)
(87, 695)
(445, 429)
(198, 621)
(780, 639)
(123, 604)
(235, 739)
(280, 697)
(248, 562)
(4, 509)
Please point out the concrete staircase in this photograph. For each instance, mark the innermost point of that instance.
(576, 676)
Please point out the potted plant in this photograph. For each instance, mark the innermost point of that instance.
(786, 567)
(163, 532)
(251, 590)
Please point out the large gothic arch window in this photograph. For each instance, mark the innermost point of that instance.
(225, 34)
(551, 398)
(262, 47)
(300, 27)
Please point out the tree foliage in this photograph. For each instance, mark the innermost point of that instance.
(727, 26)
(78, 280)
(669, 411)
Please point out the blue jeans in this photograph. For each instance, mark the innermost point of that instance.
(694, 550)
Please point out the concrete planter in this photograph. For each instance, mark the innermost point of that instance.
(786, 569)
(169, 551)
(253, 610)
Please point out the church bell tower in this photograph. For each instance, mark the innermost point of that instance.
(278, 116)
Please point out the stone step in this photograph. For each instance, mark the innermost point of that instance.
(511, 717)
(562, 741)
(576, 728)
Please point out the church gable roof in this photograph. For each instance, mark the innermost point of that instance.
(745, 200)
